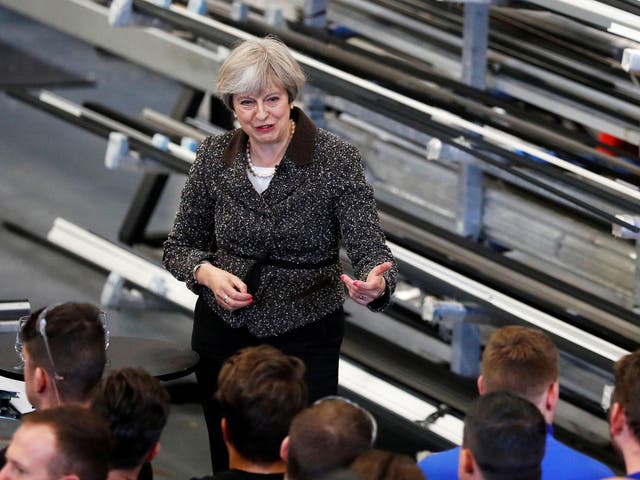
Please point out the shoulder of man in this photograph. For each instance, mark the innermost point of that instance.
(562, 461)
(441, 465)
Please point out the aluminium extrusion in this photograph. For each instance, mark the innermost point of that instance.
(493, 136)
(398, 401)
(400, 39)
(12, 309)
(530, 315)
(151, 47)
(111, 257)
(591, 11)
(438, 115)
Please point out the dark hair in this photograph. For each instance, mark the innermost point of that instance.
(260, 390)
(136, 405)
(327, 436)
(385, 465)
(506, 435)
(83, 441)
(521, 360)
(77, 341)
(627, 389)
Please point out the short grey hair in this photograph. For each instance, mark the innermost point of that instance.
(253, 65)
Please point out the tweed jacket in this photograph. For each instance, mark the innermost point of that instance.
(318, 197)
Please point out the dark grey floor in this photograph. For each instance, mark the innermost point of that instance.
(49, 169)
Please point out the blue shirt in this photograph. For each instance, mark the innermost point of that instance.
(559, 463)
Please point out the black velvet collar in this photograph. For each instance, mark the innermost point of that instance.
(300, 149)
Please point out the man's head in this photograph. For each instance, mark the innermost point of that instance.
(327, 436)
(260, 390)
(524, 361)
(504, 439)
(385, 465)
(136, 406)
(69, 443)
(624, 414)
(76, 342)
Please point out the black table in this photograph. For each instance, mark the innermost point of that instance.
(162, 359)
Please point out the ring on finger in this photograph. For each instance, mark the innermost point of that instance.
(226, 299)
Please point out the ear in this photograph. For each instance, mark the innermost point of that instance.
(40, 380)
(552, 397)
(225, 430)
(466, 466)
(480, 385)
(153, 452)
(617, 419)
(284, 448)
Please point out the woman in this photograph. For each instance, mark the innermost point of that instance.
(257, 231)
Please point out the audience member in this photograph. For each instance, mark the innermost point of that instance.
(624, 413)
(70, 443)
(64, 354)
(504, 439)
(327, 436)
(260, 390)
(63, 347)
(136, 406)
(524, 361)
(384, 465)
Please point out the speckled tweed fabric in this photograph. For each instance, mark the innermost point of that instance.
(318, 197)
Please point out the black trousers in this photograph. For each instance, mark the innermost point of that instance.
(316, 344)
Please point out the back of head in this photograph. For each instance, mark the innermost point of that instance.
(77, 341)
(256, 64)
(506, 435)
(521, 360)
(627, 389)
(136, 406)
(83, 441)
(327, 436)
(260, 390)
(385, 465)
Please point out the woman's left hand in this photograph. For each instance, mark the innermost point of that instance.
(367, 291)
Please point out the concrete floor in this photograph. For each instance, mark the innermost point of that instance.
(49, 169)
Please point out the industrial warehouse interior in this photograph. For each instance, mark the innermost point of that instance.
(501, 139)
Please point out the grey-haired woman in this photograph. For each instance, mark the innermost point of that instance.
(257, 232)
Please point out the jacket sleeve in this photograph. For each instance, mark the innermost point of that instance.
(360, 228)
(190, 238)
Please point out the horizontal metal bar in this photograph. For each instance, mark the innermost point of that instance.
(111, 257)
(153, 48)
(511, 306)
(398, 401)
(342, 79)
(176, 158)
(591, 11)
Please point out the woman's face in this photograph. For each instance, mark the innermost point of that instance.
(264, 116)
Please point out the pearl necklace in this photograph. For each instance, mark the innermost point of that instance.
(252, 167)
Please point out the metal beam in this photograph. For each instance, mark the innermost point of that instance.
(160, 51)
(596, 13)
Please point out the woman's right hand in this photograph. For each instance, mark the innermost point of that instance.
(230, 292)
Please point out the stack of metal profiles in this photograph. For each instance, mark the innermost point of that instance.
(526, 240)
